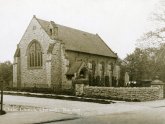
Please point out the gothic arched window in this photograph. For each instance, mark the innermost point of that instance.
(109, 70)
(35, 55)
(102, 68)
(93, 68)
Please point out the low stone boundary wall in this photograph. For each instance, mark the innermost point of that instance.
(124, 93)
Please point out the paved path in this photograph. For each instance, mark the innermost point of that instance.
(150, 116)
(72, 107)
(37, 110)
(35, 117)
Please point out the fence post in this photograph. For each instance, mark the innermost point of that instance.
(160, 84)
(79, 86)
(1, 83)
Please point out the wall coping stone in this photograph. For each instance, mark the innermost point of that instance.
(80, 81)
(157, 82)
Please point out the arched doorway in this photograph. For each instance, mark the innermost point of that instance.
(83, 73)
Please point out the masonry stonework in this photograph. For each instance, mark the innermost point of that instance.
(38, 77)
(31, 77)
(16, 72)
(124, 93)
(56, 67)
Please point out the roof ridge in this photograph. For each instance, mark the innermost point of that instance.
(41, 24)
(66, 26)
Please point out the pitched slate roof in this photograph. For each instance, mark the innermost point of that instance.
(74, 68)
(80, 41)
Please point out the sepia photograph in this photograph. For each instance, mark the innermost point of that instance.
(82, 62)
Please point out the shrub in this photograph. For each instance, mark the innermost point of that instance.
(98, 81)
(107, 83)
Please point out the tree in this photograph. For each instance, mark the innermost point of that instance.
(146, 63)
(6, 72)
(155, 37)
(137, 64)
(151, 48)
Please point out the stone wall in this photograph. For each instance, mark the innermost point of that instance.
(123, 93)
(56, 67)
(79, 56)
(16, 72)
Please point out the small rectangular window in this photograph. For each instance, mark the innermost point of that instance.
(34, 27)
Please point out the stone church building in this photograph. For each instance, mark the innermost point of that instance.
(52, 55)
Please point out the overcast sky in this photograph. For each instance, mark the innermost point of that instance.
(119, 22)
